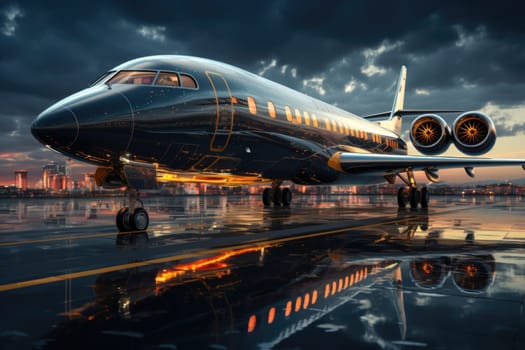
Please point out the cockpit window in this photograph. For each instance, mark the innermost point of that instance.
(133, 77)
(102, 77)
(188, 81)
(168, 79)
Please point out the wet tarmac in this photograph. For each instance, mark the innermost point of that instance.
(226, 273)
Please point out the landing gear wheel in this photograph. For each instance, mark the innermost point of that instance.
(286, 196)
(277, 197)
(123, 220)
(267, 197)
(425, 197)
(415, 197)
(402, 197)
(139, 220)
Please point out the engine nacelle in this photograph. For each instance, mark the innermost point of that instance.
(429, 273)
(430, 134)
(474, 133)
(474, 274)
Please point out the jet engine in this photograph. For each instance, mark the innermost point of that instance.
(430, 134)
(474, 133)
(429, 273)
(474, 274)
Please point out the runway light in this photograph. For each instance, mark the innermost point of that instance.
(251, 323)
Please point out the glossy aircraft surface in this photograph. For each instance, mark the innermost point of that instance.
(187, 119)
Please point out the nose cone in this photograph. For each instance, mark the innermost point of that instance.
(56, 128)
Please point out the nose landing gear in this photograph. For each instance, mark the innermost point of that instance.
(132, 218)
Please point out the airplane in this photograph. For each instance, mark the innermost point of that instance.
(172, 118)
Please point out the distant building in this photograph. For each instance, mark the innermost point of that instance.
(89, 182)
(54, 177)
(21, 179)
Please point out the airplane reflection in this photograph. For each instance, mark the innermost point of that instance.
(261, 296)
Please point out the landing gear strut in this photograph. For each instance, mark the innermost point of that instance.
(132, 218)
(277, 196)
(412, 194)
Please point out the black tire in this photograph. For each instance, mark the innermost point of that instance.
(402, 197)
(287, 196)
(277, 197)
(415, 197)
(123, 220)
(267, 197)
(425, 197)
(139, 220)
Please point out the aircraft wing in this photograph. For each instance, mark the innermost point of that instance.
(403, 112)
(348, 162)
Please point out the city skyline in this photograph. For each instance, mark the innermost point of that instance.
(456, 59)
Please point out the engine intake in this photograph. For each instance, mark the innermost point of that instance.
(430, 134)
(474, 133)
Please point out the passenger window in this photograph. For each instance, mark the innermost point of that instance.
(314, 118)
(133, 77)
(288, 112)
(251, 105)
(298, 116)
(306, 118)
(188, 82)
(271, 109)
(168, 79)
(327, 124)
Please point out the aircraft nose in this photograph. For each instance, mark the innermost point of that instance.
(56, 128)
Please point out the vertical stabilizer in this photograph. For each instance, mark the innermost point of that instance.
(394, 121)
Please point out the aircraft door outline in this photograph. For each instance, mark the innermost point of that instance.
(225, 112)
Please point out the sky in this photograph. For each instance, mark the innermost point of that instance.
(459, 55)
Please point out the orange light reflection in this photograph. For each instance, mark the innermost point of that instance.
(214, 262)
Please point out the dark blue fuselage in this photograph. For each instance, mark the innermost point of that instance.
(231, 122)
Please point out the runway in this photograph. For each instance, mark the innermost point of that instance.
(228, 273)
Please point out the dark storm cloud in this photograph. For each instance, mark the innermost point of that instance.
(465, 55)
(65, 46)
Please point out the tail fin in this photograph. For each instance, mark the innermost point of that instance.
(394, 121)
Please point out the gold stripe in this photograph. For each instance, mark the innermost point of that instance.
(61, 238)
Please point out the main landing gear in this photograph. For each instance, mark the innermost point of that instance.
(132, 218)
(412, 194)
(277, 196)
